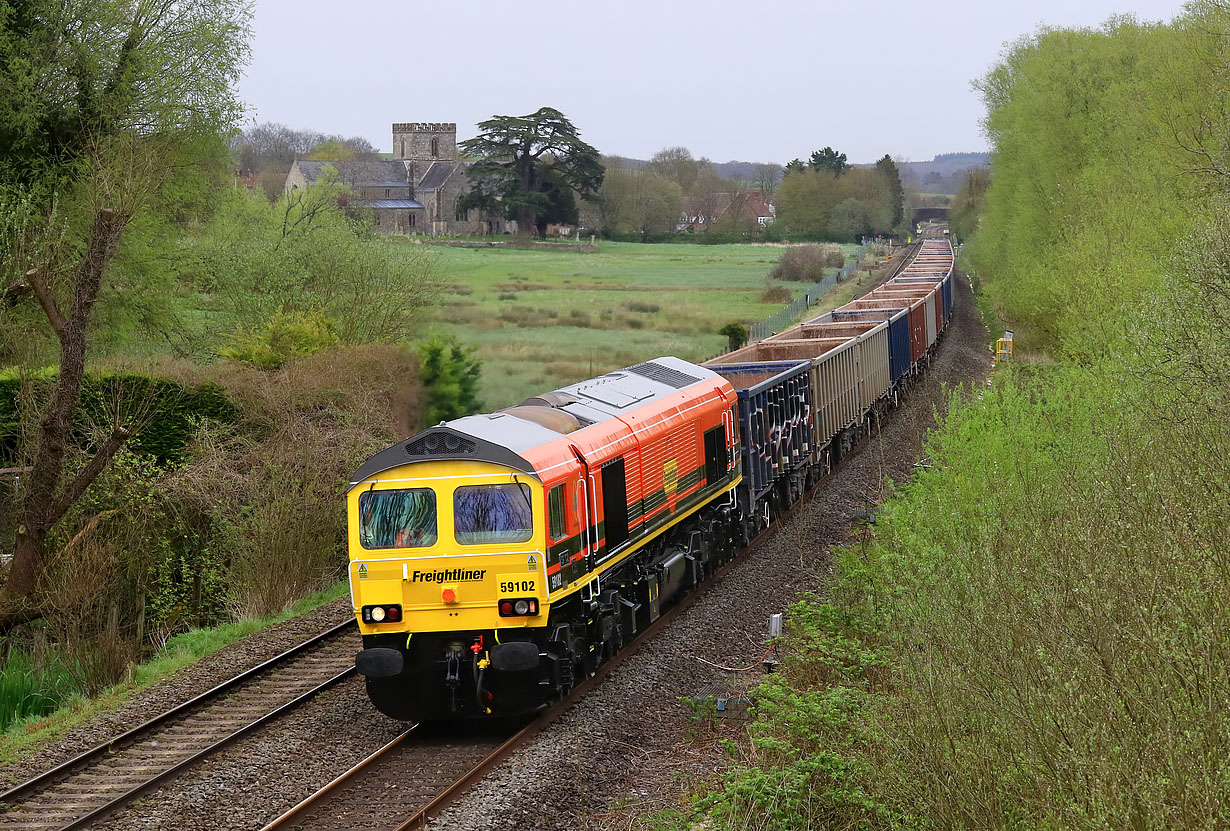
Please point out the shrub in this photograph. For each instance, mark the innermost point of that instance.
(807, 263)
(263, 498)
(736, 335)
(775, 294)
(450, 374)
(162, 412)
(305, 255)
(286, 335)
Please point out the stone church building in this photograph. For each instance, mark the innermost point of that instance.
(417, 191)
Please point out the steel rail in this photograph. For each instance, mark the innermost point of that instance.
(128, 796)
(298, 810)
(51, 777)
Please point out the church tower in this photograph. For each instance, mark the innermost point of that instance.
(425, 142)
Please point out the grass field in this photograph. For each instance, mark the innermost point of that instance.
(541, 319)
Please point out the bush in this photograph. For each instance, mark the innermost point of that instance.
(162, 412)
(736, 335)
(305, 256)
(775, 294)
(264, 498)
(287, 335)
(450, 376)
(807, 263)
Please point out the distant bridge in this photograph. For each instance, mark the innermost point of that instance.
(930, 215)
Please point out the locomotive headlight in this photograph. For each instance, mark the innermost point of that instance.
(388, 613)
(518, 607)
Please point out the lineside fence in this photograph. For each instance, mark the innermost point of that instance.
(784, 317)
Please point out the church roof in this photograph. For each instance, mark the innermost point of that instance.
(437, 175)
(368, 173)
(394, 203)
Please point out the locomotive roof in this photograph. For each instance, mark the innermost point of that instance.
(590, 402)
(502, 437)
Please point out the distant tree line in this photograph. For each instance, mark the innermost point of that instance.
(827, 198)
(266, 151)
(676, 192)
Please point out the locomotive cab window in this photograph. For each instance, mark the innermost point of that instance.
(397, 519)
(555, 512)
(492, 513)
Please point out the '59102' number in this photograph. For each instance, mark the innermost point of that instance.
(512, 586)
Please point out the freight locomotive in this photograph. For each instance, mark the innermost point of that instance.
(497, 560)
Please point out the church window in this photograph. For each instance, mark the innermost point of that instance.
(386, 193)
(463, 216)
(410, 219)
(435, 148)
(377, 217)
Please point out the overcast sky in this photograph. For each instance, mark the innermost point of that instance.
(758, 80)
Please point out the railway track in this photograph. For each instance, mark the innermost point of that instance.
(108, 777)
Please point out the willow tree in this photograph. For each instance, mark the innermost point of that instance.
(102, 102)
(527, 168)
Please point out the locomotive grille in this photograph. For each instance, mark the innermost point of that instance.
(440, 444)
(664, 375)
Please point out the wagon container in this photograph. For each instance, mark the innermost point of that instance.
(872, 338)
(918, 331)
(932, 313)
(775, 421)
(897, 316)
(834, 377)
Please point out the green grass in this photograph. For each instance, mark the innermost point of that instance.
(38, 725)
(31, 689)
(541, 319)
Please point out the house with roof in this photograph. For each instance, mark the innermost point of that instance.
(416, 192)
(738, 210)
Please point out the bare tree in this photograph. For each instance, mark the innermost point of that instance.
(709, 196)
(768, 177)
(677, 165)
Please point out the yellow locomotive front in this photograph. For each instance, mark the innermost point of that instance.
(447, 579)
